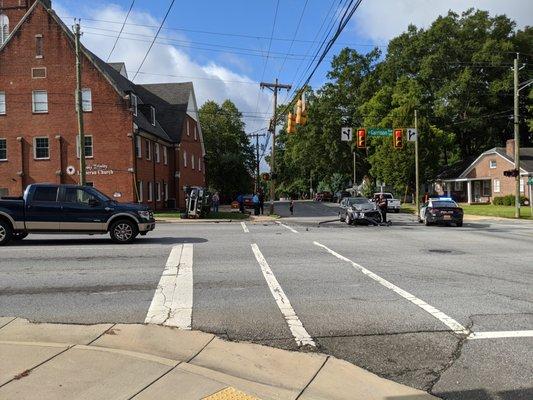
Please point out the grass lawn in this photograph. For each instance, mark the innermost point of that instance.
(212, 215)
(491, 210)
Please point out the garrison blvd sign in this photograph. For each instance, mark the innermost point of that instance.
(379, 132)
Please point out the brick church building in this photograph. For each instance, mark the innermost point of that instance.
(143, 143)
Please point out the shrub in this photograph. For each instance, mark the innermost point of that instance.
(508, 200)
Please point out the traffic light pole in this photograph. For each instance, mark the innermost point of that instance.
(274, 87)
(417, 180)
(516, 140)
(257, 161)
(79, 106)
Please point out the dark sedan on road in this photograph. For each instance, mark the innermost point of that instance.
(358, 210)
(441, 211)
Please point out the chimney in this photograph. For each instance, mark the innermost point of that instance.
(509, 148)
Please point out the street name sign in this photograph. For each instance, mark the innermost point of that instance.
(412, 134)
(346, 134)
(379, 132)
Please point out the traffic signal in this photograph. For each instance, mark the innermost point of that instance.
(301, 113)
(512, 173)
(291, 123)
(397, 138)
(361, 138)
(265, 176)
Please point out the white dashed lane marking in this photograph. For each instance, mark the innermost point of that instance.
(295, 325)
(172, 302)
(244, 227)
(287, 227)
(500, 334)
(445, 319)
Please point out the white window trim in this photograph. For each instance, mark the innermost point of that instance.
(199, 163)
(138, 147)
(6, 21)
(90, 101)
(493, 166)
(134, 103)
(150, 191)
(192, 161)
(35, 148)
(33, 101)
(195, 133)
(5, 140)
(187, 123)
(42, 46)
(165, 189)
(140, 189)
(158, 191)
(149, 148)
(157, 153)
(496, 184)
(184, 159)
(3, 95)
(39, 77)
(165, 155)
(78, 146)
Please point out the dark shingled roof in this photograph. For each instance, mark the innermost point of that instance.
(453, 171)
(526, 157)
(118, 66)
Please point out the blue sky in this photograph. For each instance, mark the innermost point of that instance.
(222, 46)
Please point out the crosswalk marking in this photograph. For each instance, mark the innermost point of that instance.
(500, 334)
(445, 319)
(173, 299)
(287, 227)
(244, 227)
(295, 325)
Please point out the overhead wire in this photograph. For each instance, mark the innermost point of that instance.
(121, 29)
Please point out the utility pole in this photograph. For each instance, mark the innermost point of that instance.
(417, 172)
(274, 87)
(257, 161)
(79, 105)
(516, 140)
(354, 172)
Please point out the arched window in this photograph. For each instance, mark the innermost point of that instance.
(4, 28)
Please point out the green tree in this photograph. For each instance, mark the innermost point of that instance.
(229, 155)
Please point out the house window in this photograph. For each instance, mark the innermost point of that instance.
(195, 133)
(486, 188)
(86, 100)
(492, 164)
(38, 73)
(152, 115)
(158, 191)
(496, 186)
(148, 150)
(138, 147)
(38, 46)
(157, 153)
(165, 190)
(88, 146)
(4, 28)
(184, 158)
(139, 191)
(165, 155)
(521, 186)
(40, 101)
(187, 123)
(457, 186)
(199, 164)
(41, 148)
(192, 161)
(134, 103)
(2, 103)
(3, 149)
(150, 191)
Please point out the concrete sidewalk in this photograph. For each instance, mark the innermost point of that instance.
(117, 361)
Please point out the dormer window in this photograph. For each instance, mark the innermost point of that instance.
(4, 28)
(134, 103)
(152, 115)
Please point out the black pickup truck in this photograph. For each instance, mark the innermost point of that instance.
(49, 208)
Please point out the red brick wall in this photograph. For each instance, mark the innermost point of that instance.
(110, 121)
(191, 147)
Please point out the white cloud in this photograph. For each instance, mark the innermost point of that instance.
(381, 20)
(170, 62)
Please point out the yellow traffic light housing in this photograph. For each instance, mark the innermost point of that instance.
(301, 113)
(291, 123)
(361, 138)
(397, 138)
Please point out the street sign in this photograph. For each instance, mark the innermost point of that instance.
(346, 134)
(412, 134)
(379, 132)
(530, 181)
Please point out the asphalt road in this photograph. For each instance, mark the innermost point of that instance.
(385, 298)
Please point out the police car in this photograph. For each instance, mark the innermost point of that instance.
(441, 210)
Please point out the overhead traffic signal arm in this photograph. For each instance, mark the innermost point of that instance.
(361, 138)
(397, 138)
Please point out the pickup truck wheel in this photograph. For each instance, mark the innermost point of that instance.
(348, 220)
(19, 235)
(6, 233)
(123, 231)
(397, 210)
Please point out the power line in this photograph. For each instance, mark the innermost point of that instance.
(155, 37)
(294, 37)
(121, 29)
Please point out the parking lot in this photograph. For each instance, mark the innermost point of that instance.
(444, 309)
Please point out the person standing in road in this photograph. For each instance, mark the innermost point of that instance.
(240, 200)
(382, 205)
(255, 200)
(262, 202)
(216, 202)
(291, 206)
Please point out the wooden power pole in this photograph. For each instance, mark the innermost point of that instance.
(257, 160)
(79, 106)
(274, 87)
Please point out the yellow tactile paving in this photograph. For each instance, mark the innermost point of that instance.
(230, 394)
